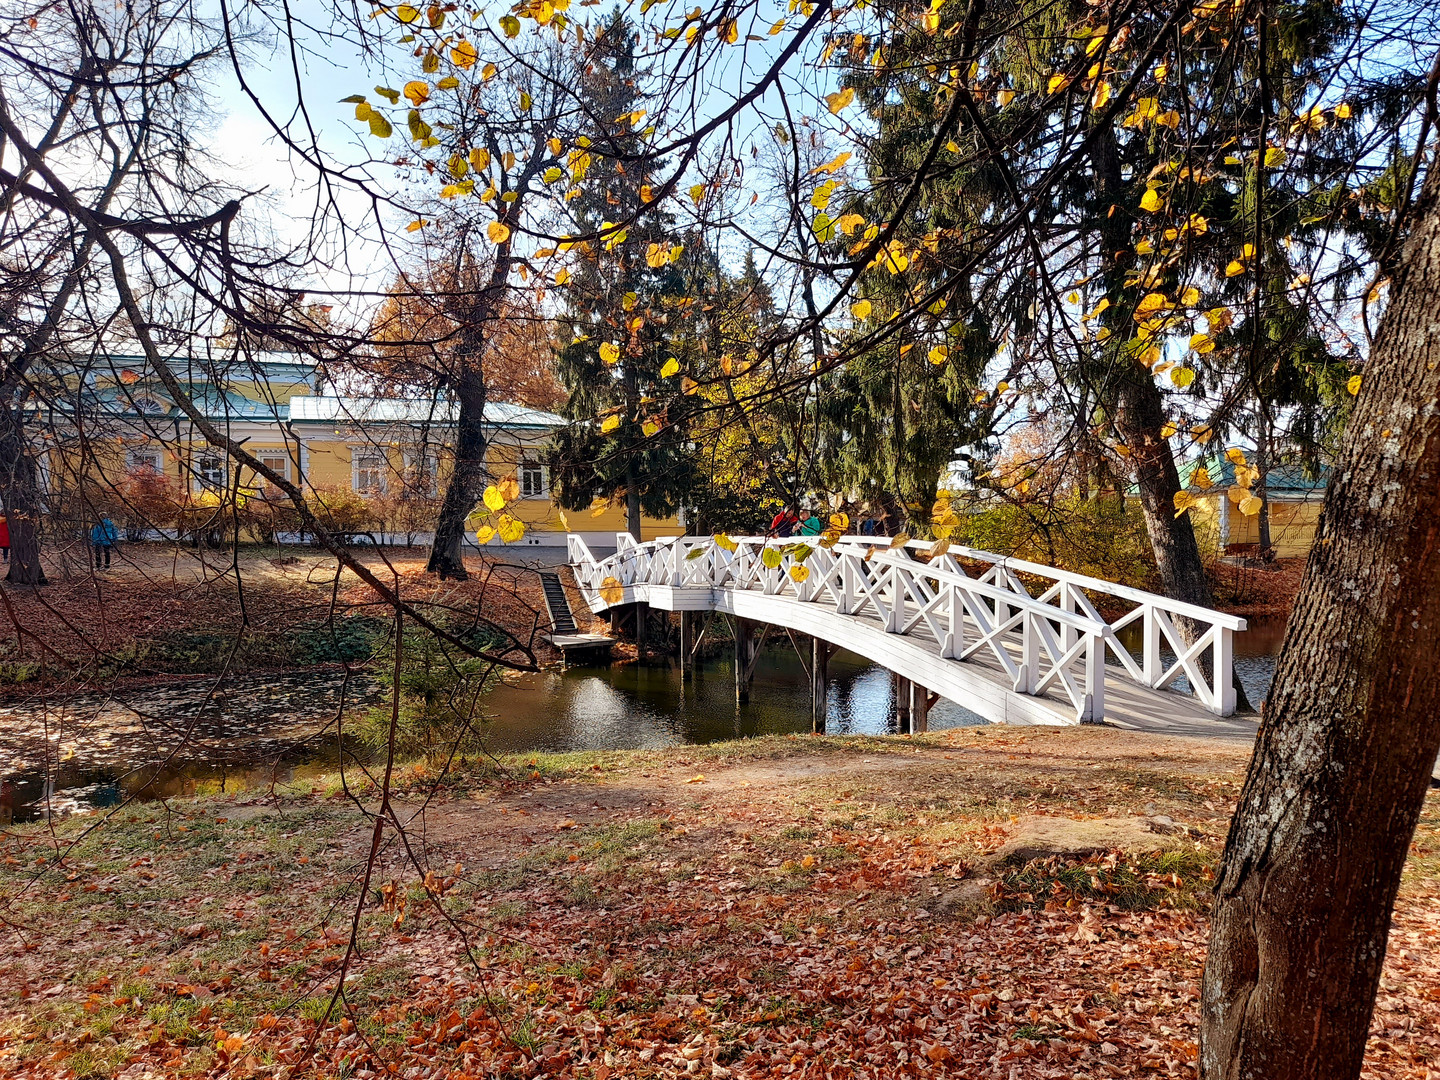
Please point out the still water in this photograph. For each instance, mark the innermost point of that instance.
(89, 751)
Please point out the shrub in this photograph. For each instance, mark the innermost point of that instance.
(440, 691)
(1104, 538)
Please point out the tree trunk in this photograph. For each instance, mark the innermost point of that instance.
(1262, 468)
(1172, 538)
(20, 497)
(1140, 421)
(632, 501)
(467, 477)
(1351, 729)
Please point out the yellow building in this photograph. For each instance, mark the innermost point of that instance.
(390, 452)
(1294, 505)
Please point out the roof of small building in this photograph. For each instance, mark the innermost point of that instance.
(1280, 480)
(366, 410)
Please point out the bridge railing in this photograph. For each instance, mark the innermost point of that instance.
(1205, 656)
(1038, 646)
(1057, 630)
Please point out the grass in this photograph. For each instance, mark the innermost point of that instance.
(617, 913)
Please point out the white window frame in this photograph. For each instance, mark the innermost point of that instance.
(270, 457)
(528, 492)
(145, 457)
(204, 483)
(357, 453)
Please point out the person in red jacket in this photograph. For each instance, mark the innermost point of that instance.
(4, 538)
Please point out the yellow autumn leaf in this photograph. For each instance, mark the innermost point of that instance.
(1250, 505)
(484, 534)
(848, 223)
(1167, 431)
(498, 232)
(861, 309)
(562, 277)
(1202, 343)
(610, 424)
(611, 591)
(1059, 81)
(1342, 111)
(407, 14)
(832, 165)
(672, 367)
(1201, 479)
(464, 55)
(939, 354)
(1150, 200)
(417, 92)
(1190, 297)
(493, 499)
(799, 573)
(1235, 456)
(509, 488)
(1150, 303)
(1183, 501)
(510, 529)
(1234, 268)
(609, 352)
(840, 99)
(1182, 376)
(723, 541)
(1353, 385)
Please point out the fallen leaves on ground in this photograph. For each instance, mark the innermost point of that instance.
(816, 908)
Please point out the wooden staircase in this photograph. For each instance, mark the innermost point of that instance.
(565, 635)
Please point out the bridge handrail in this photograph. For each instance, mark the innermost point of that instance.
(1084, 581)
(1063, 608)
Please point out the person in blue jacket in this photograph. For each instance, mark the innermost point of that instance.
(103, 537)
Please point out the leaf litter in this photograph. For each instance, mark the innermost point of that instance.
(782, 907)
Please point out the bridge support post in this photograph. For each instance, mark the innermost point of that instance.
(745, 650)
(687, 633)
(902, 704)
(642, 617)
(820, 653)
(919, 708)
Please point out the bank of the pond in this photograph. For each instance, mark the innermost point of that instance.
(239, 732)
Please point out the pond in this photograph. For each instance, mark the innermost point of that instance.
(191, 737)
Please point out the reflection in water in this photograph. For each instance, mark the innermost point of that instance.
(264, 729)
(635, 706)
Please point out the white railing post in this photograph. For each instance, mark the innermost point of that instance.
(897, 602)
(1223, 673)
(1068, 632)
(1151, 660)
(1029, 675)
(954, 643)
(1094, 678)
(848, 590)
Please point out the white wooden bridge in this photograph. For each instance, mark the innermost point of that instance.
(980, 638)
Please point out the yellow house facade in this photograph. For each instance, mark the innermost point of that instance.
(390, 454)
(1294, 507)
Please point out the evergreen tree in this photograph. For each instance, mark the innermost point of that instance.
(628, 310)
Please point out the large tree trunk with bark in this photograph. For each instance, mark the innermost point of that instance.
(1351, 729)
(467, 478)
